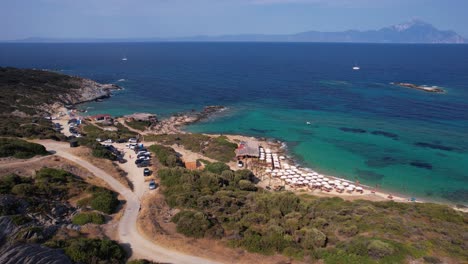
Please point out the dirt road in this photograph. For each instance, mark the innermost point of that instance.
(127, 230)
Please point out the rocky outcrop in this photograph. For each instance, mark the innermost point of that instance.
(172, 125)
(429, 89)
(32, 254)
(12, 251)
(89, 91)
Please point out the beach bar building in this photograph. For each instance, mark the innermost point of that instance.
(101, 117)
(247, 149)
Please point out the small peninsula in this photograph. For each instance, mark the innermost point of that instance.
(425, 88)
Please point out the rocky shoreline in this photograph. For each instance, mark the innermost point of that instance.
(429, 89)
(88, 91)
(173, 124)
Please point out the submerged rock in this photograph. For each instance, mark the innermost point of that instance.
(434, 146)
(353, 130)
(385, 134)
(422, 165)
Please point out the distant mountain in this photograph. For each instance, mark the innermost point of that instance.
(414, 31)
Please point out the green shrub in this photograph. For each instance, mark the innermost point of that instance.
(20, 149)
(379, 249)
(85, 218)
(216, 167)
(167, 156)
(85, 250)
(105, 201)
(192, 224)
(24, 189)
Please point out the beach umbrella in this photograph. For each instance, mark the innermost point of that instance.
(345, 184)
(325, 179)
(293, 167)
(308, 178)
(305, 181)
(267, 170)
(273, 174)
(349, 189)
(301, 178)
(359, 188)
(288, 181)
(352, 186)
(283, 177)
(340, 187)
(320, 176)
(314, 177)
(311, 184)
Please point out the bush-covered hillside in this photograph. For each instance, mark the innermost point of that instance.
(228, 206)
(17, 148)
(25, 89)
(36, 210)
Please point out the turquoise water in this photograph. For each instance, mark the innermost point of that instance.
(362, 127)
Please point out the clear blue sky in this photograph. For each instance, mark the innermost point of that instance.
(171, 18)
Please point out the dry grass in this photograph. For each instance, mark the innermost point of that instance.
(108, 166)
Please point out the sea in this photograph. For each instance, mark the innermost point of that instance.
(361, 127)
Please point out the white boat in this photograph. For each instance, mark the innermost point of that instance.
(356, 68)
(124, 58)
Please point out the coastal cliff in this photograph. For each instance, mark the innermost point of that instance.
(30, 92)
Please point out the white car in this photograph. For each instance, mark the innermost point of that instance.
(132, 140)
(109, 141)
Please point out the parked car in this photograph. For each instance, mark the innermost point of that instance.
(152, 185)
(109, 141)
(146, 172)
(144, 164)
(132, 140)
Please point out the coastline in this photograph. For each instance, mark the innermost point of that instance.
(178, 122)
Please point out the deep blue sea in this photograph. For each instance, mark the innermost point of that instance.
(362, 127)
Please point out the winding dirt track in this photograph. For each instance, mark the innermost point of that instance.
(127, 231)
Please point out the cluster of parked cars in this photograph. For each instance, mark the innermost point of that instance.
(143, 157)
(73, 124)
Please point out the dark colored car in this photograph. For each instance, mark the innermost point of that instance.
(144, 163)
(146, 172)
(152, 185)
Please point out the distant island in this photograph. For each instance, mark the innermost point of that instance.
(414, 31)
(425, 88)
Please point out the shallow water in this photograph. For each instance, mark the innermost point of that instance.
(361, 126)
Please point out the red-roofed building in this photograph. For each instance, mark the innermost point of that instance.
(101, 117)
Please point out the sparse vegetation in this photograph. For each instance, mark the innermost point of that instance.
(138, 125)
(86, 218)
(228, 205)
(218, 148)
(17, 148)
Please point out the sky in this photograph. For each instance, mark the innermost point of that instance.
(175, 18)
